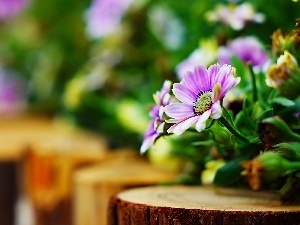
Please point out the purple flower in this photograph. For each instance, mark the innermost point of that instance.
(200, 93)
(12, 94)
(156, 127)
(10, 8)
(104, 16)
(247, 49)
(205, 55)
(189, 63)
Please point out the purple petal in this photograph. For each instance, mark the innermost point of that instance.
(190, 82)
(212, 72)
(222, 75)
(179, 110)
(202, 79)
(184, 94)
(230, 82)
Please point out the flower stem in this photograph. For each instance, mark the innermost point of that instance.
(232, 129)
(253, 81)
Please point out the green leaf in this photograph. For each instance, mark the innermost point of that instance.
(265, 114)
(283, 101)
(203, 143)
(239, 65)
(227, 116)
(253, 81)
(229, 173)
(257, 110)
(247, 103)
(244, 122)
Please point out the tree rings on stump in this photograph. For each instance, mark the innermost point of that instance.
(178, 205)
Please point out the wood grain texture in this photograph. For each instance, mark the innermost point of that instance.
(178, 205)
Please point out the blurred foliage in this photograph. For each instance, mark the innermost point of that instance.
(46, 44)
(86, 80)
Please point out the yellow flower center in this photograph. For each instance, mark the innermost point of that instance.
(203, 103)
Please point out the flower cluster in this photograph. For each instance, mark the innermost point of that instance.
(241, 111)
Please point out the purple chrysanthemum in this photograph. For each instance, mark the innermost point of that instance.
(200, 93)
(10, 8)
(157, 123)
(104, 16)
(247, 49)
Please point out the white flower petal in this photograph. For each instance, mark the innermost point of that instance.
(201, 123)
(184, 125)
(171, 129)
(147, 143)
(200, 126)
(216, 110)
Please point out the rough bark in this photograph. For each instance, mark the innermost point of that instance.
(199, 206)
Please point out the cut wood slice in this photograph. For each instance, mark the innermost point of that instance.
(199, 206)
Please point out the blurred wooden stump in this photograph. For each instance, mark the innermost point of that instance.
(93, 186)
(48, 169)
(36, 152)
(199, 206)
(8, 192)
(15, 135)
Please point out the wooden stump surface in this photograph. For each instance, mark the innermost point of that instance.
(180, 205)
(94, 185)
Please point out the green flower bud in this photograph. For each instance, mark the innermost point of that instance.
(274, 130)
(273, 165)
(222, 134)
(289, 151)
(266, 167)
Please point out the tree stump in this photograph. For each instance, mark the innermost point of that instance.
(199, 206)
(38, 154)
(94, 185)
